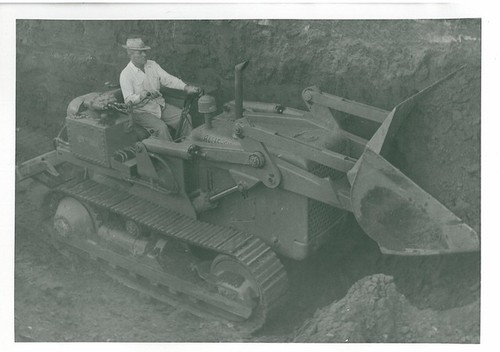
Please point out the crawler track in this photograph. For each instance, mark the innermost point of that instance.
(146, 275)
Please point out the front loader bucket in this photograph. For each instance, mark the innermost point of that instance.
(394, 211)
(402, 217)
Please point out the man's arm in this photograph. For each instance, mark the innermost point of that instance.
(169, 81)
(127, 88)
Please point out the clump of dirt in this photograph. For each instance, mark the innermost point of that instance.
(370, 312)
(374, 311)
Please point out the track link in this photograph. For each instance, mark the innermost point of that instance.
(245, 248)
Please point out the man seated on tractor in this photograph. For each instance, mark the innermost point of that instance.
(140, 82)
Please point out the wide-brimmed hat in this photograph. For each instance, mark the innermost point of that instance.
(136, 44)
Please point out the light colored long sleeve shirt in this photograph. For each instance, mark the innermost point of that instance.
(133, 81)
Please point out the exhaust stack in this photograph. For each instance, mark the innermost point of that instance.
(238, 89)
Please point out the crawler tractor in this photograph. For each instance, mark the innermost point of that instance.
(204, 222)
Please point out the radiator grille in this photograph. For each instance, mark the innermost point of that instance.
(322, 170)
(322, 217)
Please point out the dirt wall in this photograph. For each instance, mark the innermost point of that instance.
(375, 62)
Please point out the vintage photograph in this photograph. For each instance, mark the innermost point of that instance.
(248, 180)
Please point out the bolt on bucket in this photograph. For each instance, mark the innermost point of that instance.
(394, 211)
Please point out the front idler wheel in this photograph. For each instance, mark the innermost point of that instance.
(73, 219)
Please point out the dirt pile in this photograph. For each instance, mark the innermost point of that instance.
(374, 311)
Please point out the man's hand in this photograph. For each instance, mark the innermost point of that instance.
(192, 90)
(152, 94)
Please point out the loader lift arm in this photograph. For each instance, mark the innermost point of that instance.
(314, 97)
(253, 159)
